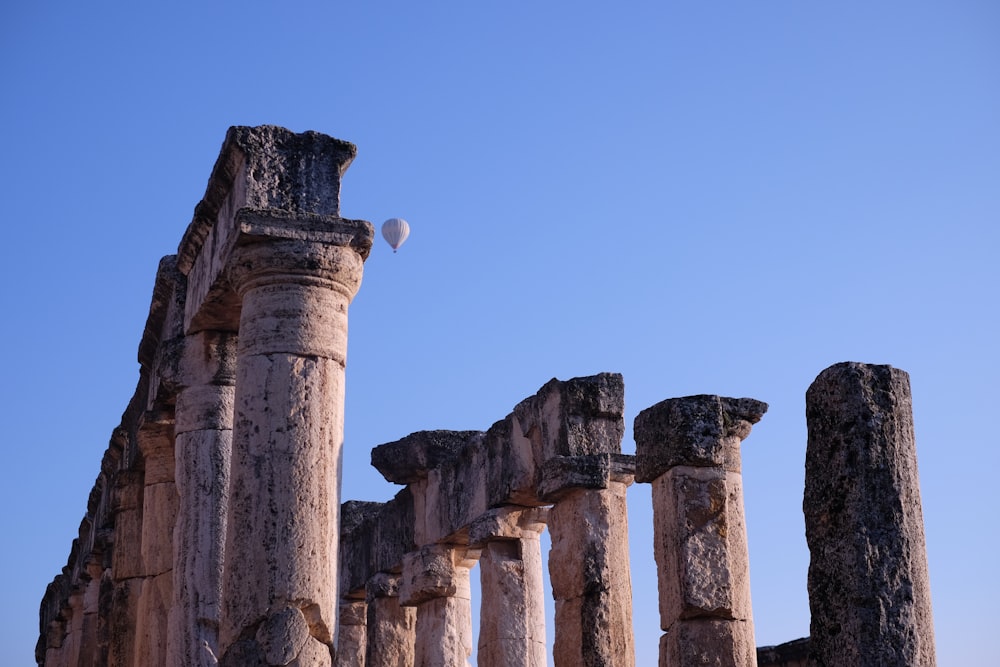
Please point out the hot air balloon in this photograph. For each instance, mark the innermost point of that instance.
(395, 231)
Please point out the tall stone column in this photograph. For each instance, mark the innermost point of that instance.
(869, 591)
(589, 559)
(126, 566)
(156, 441)
(280, 580)
(512, 616)
(392, 628)
(436, 582)
(689, 449)
(205, 373)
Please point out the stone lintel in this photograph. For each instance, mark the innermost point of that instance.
(701, 430)
(510, 523)
(562, 474)
(373, 539)
(409, 459)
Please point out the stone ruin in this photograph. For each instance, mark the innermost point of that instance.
(214, 534)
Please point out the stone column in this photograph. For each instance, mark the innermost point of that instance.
(392, 628)
(689, 449)
(512, 615)
(126, 566)
(436, 582)
(203, 447)
(869, 592)
(280, 579)
(352, 633)
(589, 560)
(159, 510)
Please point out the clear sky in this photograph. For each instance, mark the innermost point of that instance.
(720, 197)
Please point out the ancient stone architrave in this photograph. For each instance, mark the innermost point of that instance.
(512, 613)
(689, 449)
(869, 591)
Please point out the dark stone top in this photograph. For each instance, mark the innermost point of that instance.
(693, 431)
(409, 459)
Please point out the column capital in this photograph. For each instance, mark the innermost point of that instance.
(700, 431)
(508, 523)
(435, 571)
(268, 186)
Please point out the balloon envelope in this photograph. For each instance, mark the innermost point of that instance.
(395, 231)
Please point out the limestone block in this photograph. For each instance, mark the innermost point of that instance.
(700, 545)
(352, 634)
(715, 643)
(590, 578)
(435, 571)
(127, 509)
(357, 530)
(574, 417)
(444, 632)
(391, 627)
(869, 591)
(409, 459)
(122, 622)
(282, 636)
(563, 474)
(158, 515)
(693, 431)
(511, 522)
(205, 407)
(265, 168)
(150, 620)
(156, 441)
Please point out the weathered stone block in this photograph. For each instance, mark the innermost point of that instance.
(562, 474)
(700, 549)
(707, 642)
(409, 459)
(693, 431)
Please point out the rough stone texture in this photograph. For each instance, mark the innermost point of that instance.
(436, 581)
(408, 460)
(698, 430)
(267, 234)
(512, 613)
(869, 592)
(392, 628)
(711, 642)
(790, 654)
(352, 634)
(689, 449)
(591, 583)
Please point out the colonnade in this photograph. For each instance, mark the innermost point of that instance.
(215, 534)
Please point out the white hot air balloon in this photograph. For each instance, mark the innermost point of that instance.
(395, 231)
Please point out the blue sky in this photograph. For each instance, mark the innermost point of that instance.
(714, 198)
